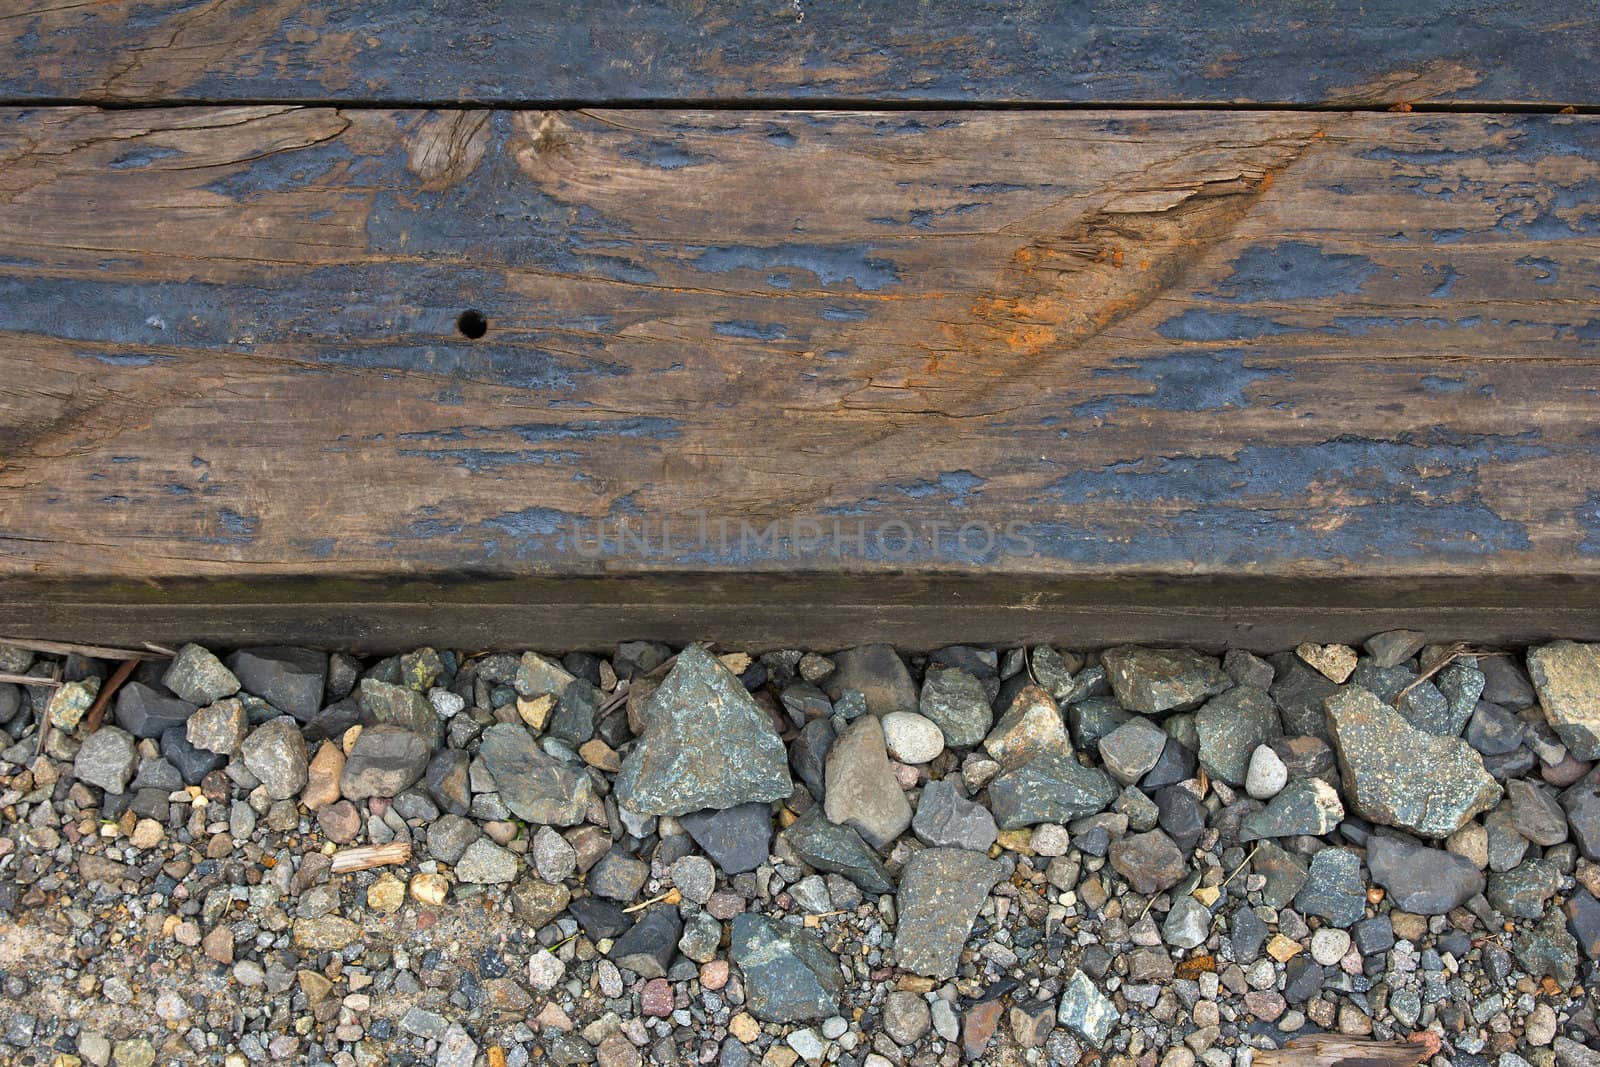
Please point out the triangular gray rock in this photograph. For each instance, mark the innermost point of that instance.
(706, 744)
(861, 790)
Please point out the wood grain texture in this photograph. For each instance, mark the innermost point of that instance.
(1333, 1050)
(1054, 347)
(767, 611)
(616, 51)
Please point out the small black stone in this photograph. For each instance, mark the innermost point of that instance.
(333, 720)
(737, 839)
(1303, 980)
(582, 665)
(192, 763)
(648, 947)
(1513, 764)
(1093, 842)
(635, 658)
(1180, 815)
(446, 781)
(836, 849)
(600, 918)
(574, 717)
(1247, 934)
(291, 679)
(805, 703)
(1176, 764)
(808, 755)
(144, 712)
(1493, 730)
(980, 662)
(1096, 961)
(1091, 720)
(1373, 935)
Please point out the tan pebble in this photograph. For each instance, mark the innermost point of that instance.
(535, 711)
(553, 1017)
(744, 1027)
(218, 944)
(1334, 662)
(315, 986)
(1283, 948)
(348, 740)
(1408, 927)
(904, 775)
(429, 888)
(714, 974)
(737, 662)
(596, 753)
(146, 834)
(386, 894)
(1016, 841)
(322, 777)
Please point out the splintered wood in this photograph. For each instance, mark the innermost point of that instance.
(1331, 1050)
(347, 861)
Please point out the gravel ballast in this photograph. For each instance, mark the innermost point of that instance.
(1137, 857)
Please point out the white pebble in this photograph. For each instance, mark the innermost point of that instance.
(1050, 839)
(1267, 775)
(544, 970)
(445, 703)
(911, 738)
(808, 1044)
(1328, 945)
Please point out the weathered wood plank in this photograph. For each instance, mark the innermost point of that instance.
(617, 51)
(1332, 1050)
(1049, 347)
(756, 612)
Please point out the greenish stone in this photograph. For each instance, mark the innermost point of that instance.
(1231, 726)
(1398, 775)
(706, 744)
(1155, 680)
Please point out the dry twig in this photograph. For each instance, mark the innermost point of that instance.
(28, 679)
(62, 648)
(671, 896)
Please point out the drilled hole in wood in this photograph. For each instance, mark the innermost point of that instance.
(472, 324)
